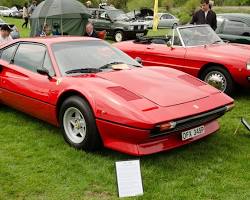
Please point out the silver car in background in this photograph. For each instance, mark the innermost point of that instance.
(166, 20)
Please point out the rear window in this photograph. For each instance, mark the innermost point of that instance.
(7, 53)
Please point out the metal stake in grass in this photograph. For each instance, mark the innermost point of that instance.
(245, 123)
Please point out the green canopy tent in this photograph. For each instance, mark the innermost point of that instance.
(63, 16)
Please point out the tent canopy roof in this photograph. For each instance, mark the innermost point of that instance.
(49, 8)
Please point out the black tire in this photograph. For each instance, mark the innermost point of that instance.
(229, 88)
(92, 140)
(174, 26)
(121, 34)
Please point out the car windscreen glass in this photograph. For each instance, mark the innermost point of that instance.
(199, 35)
(117, 15)
(88, 54)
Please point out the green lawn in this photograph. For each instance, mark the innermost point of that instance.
(36, 163)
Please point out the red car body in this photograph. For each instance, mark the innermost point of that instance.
(196, 59)
(128, 105)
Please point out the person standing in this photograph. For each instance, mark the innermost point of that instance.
(25, 15)
(32, 7)
(89, 31)
(205, 15)
(5, 36)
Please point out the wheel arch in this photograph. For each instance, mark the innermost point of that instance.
(67, 94)
(212, 64)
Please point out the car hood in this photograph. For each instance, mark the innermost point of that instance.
(158, 85)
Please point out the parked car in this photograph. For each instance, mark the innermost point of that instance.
(7, 12)
(166, 20)
(117, 24)
(99, 95)
(234, 27)
(14, 33)
(199, 51)
(18, 13)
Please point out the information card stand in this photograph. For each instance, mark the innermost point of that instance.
(129, 178)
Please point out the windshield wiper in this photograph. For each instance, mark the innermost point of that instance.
(83, 70)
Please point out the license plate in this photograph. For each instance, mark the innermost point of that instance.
(193, 133)
(139, 34)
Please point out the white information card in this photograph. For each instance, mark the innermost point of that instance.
(129, 178)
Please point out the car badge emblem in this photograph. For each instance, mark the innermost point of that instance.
(196, 107)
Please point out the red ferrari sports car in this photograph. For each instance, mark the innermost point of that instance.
(100, 96)
(196, 50)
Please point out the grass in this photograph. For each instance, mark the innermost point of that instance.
(36, 163)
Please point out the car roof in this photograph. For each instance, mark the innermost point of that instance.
(54, 39)
(236, 16)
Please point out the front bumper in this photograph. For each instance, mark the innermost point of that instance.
(137, 142)
(135, 34)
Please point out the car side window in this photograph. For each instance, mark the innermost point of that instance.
(234, 27)
(30, 56)
(48, 65)
(7, 53)
(166, 16)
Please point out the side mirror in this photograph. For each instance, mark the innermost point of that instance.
(44, 72)
(169, 44)
(138, 59)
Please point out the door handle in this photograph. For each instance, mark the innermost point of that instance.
(150, 47)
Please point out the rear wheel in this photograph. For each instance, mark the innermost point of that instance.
(174, 26)
(78, 124)
(119, 36)
(218, 77)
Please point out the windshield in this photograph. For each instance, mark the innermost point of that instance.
(199, 35)
(118, 15)
(88, 55)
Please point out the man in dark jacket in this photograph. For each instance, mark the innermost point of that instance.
(205, 15)
(90, 32)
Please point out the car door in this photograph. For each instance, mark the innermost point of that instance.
(163, 55)
(22, 87)
(102, 21)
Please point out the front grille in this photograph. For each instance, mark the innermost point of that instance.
(191, 122)
(138, 28)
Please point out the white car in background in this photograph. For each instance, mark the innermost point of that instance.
(7, 12)
(166, 20)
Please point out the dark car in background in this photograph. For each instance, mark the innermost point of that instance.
(234, 27)
(14, 33)
(117, 24)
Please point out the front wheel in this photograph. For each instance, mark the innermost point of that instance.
(78, 124)
(119, 36)
(220, 78)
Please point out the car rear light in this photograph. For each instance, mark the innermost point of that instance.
(230, 107)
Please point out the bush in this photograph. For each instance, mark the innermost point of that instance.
(186, 12)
